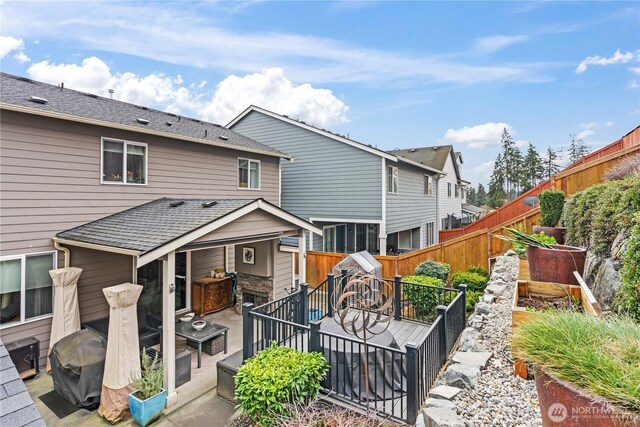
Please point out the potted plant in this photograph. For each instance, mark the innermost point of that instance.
(148, 400)
(587, 369)
(548, 262)
(551, 205)
(219, 273)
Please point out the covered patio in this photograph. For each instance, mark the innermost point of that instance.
(167, 245)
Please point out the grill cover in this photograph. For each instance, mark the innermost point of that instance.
(359, 263)
(77, 366)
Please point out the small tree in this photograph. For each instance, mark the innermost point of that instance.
(471, 196)
(551, 165)
(481, 195)
(551, 204)
(577, 148)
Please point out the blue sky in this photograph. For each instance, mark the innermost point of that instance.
(393, 75)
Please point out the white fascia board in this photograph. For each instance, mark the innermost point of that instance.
(341, 220)
(352, 143)
(102, 248)
(77, 119)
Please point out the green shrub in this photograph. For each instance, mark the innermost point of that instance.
(424, 299)
(478, 270)
(474, 281)
(150, 381)
(431, 268)
(472, 298)
(551, 204)
(597, 355)
(269, 383)
(577, 216)
(627, 297)
(521, 249)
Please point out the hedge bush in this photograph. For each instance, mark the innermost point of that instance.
(551, 204)
(424, 299)
(276, 379)
(627, 297)
(478, 270)
(431, 268)
(474, 281)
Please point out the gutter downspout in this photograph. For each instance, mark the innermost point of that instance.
(67, 253)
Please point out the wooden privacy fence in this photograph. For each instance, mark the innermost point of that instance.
(476, 247)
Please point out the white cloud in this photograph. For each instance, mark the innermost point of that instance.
(495, 43)
(521, 143)
(635, 70)
(633, 84)
(269, 89)
(12, 44)
(608, 124)
(590, 125)
(617, 58)
(272, 90)
(584, 134)
(482, 173)
(479, 136)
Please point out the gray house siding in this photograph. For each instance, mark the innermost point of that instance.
(327, 179)
(453, 204)
(411, 208)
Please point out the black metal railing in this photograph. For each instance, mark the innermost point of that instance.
(400, 379)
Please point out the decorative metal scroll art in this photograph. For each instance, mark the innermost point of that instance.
(362, 308)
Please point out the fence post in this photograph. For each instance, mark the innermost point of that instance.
(330, 290)
(398, 298)
(442, 313)
(343, 284)
(247, 331)
(413, 398)
(314, 336)
(303, 318)
(463, 290)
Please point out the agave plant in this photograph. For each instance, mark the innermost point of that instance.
(523, 239)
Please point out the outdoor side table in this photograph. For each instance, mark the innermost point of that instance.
(211, 331)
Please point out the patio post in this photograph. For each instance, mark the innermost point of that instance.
(343, 284)
(314, 336)
(442, 313)
(303, 307)
(413, 389)
(169, 326)
(397, 295)
(302, 261)
(463, 290)
(247, 331)
(330, 290)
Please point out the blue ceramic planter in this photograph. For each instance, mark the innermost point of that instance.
(144, 411)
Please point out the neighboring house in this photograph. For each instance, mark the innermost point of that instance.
(452, 189)
(362, 197)
(131, 194)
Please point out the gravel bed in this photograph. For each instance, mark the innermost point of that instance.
(500, 398)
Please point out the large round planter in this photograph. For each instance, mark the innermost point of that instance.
(556, 232)
(562, 404)
(556, 265)
(145, 411)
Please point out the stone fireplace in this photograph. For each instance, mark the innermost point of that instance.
(255, 289)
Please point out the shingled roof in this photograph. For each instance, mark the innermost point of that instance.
(151, 225)
(435, 157)
(30, 96)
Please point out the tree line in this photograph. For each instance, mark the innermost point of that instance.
(516, 171)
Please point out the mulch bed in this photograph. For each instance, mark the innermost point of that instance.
(547, 303)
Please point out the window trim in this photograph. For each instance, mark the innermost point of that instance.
(457, 191)
(410, 231)
(390, 170)
(449, 189)
(249, 175)
(23, 289)
(124, 161)
(428, 185)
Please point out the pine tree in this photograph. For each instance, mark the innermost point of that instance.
(481, 196)
(496, 195)
(509, 160)
(518, 173)
(551, 166)
(577, 149)
(533, 168)
(471, 196)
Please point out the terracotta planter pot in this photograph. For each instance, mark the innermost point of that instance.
(556, 232)
(556, 265)
(562, 404)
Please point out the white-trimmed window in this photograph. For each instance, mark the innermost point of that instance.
(457, 190)
(448, 189)
(248, 174)
(404, 239)
(428, 185)
(430, 233)
(392, 179)
(26, 289)
(123, 162)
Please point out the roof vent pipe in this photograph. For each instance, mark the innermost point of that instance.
(209, 204)
(176, 204)
(224, 138)
(38, 100)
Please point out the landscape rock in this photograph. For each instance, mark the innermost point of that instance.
(473, 358)
(444, 392)
(488, 298)
(606, 282)
(495, 289)
(442, 417)
(483, 308)
(419, 420)
(469, 340)
(462, 375)
(511, 252)
(439, 403)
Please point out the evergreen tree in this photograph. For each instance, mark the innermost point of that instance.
(533, 168)
(481, 196)
(471, 196)
(518, 174)
(577, 149)
(496, 195)
(551, 165)
(509, 161)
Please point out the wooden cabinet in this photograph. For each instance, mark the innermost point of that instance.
(210, 294)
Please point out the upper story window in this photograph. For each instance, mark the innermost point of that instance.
(248, 174)
(428, 185)
(392, 180)
(124, 162)
(448, 189)
(457, 190)
(26, 289)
